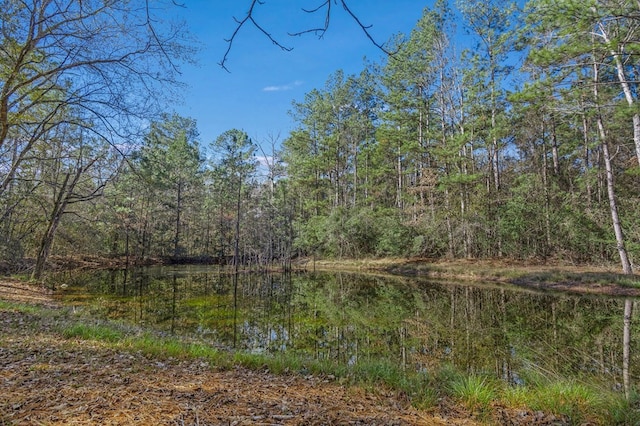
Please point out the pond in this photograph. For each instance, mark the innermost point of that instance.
(349, 318)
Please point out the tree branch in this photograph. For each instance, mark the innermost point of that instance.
(365, 28)
(159, 42)
(241, 23)
(327, 20)
(320, 31)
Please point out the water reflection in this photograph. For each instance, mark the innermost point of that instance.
(351, 318)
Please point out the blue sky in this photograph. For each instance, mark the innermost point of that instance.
(257, 93)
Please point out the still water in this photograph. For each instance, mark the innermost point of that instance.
(350, 318)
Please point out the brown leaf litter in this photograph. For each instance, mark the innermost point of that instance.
(49, 380)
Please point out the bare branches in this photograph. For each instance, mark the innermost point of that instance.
(327, 19)
(366, 30)
(241, 23)
(325, 6)
(159, 42)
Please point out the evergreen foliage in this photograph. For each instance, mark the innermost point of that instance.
(525, 147)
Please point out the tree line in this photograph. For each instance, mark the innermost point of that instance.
(525, 145)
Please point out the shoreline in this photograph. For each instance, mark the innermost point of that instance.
(551, 276)
(580, 279)
(39, 341)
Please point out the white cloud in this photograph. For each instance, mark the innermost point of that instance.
(264, 161)
(283, 87)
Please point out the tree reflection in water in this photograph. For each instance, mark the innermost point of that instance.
(351, 318)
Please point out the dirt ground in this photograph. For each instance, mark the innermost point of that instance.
(47, 379)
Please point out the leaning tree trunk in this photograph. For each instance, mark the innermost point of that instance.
(626, 85)
(64, 197)
(613, 207)
(617, 227)
(59, 206)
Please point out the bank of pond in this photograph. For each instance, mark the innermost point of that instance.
(575, 356)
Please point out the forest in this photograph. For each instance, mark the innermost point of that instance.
(525, 146)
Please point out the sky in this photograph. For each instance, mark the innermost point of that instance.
(262, 80)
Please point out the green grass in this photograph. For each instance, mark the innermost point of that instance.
(576, 401)
(93, 332)
(277, 364)
(146, 343)
(21, 307)
(417, 386)
(157, 347)
(624, 412)
(476, 392)
(579, 402)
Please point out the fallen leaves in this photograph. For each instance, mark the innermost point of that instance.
(46, 379)
(18, 291)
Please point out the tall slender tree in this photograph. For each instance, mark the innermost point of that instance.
(234, 165)
(491, 22)
(577, 39)
(171, 164)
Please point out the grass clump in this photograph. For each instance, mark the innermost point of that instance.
(416, 385)
(102, 333)
(476, 392)
(378, 371)
(624, 411)
(21, 307)
(576, 401)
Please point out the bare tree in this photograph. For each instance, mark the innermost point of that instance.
(70, 175)
(106, 59)
(103, 67)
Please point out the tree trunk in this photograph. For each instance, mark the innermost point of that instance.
(613, 207)
(554, 147)
(176, 238)
(399, 187)
(585, 141)
(236, 245)
(617, 227)
(547, 190)
(626, 89)
(59, 206)
(626, 345)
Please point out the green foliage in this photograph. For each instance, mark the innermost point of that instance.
(476, 392)
(355, 233)
(171, 166)
(576, 401)
(393, 237)
(435, 152)
(523, 218)
(93, 332)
